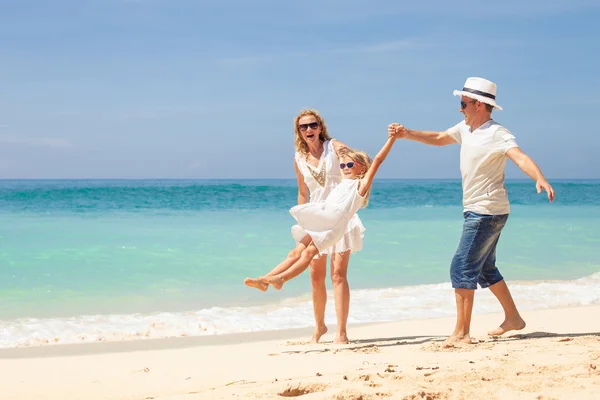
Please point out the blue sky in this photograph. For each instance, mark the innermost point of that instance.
(209, 89)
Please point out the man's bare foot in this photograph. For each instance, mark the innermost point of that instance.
(341, 338)
(513, 325)
(456, 339)
(319, 331)
(275, 281)
(256, 283)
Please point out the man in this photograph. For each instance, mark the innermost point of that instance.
(485, 145)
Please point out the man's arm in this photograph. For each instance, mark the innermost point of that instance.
(302, 188)
(527, 165)
(427, 137)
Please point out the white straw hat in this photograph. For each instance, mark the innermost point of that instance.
(479, 89)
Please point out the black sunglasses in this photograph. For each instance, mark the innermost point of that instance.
(463, 105)
(349, 165)
(312, 125)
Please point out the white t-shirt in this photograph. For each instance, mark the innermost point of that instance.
(482, 163)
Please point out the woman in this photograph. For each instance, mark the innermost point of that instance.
(318, 171)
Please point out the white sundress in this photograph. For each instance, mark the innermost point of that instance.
(352, 239)
(327, 221)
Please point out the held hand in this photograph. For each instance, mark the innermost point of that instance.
(392, 129)
(400, 131)
(542, 184)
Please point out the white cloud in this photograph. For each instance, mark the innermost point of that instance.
(258, 59)
(55, 143)
(383, 47)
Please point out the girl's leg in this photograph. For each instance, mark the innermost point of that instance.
(294, 270)
(318, 273)
(291, 258)
(341, 293)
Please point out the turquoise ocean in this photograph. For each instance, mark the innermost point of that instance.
(102, 260)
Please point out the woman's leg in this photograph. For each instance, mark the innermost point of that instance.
(341, 293)
(291, 258)
(318, 273)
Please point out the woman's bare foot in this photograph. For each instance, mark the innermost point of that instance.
(275, 281)
(256, 283)
(508, 325)
(319, 331)
(341, 338)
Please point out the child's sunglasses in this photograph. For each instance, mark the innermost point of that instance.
(349, 165)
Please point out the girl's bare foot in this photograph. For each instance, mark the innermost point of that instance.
(319, 331)
(256, 283)
(275, 281)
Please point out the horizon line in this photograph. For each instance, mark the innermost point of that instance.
(265, 179)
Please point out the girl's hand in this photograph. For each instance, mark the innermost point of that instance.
(392, 129)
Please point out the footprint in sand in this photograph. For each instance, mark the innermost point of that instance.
(364, 349)
(427, 396)
(302, 389)
(351, 394)
(292, 343)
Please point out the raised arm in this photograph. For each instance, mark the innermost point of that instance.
(527, 165)
(366, 182)
(339, 148)
(302, 188)
(427, 137)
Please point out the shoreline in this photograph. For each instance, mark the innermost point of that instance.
(370, 306)
(182, 342)
(556, 355)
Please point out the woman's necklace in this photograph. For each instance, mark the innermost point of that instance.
(318, 175)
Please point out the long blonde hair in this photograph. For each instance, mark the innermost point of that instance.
(362, 158)
(301, 145)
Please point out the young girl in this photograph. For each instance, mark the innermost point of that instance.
(322, 224)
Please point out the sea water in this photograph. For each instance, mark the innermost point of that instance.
(99, 260)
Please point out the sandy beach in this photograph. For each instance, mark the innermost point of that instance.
(557, 356)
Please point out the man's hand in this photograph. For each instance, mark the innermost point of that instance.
(397, 131)
(543, 184)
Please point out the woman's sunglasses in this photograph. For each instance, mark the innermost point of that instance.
(312, 125)
(349, 165)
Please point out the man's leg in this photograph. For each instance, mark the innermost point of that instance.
(492, 278)
(476, 244)
(512, 318)
(341, 293)
(464, 310)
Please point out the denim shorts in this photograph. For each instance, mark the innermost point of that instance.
(475, 258)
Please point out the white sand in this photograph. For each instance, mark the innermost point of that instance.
(557, 356)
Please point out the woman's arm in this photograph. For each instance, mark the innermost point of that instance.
(366, 182)
(302, 188)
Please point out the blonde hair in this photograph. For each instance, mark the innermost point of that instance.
(362, 158)
(301, 145)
